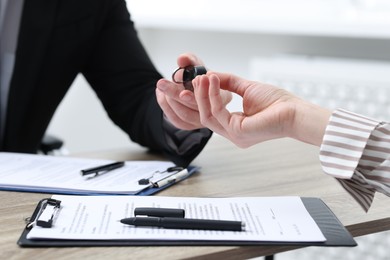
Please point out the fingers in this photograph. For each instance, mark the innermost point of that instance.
(217, 105)
(202, 87)
(182, 108)
(231, 83)
(179, 107)
(215, 115)
(177, 92)
(187, 59)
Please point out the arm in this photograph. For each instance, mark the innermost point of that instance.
(124, 79)
(353, 148)
(268, 112)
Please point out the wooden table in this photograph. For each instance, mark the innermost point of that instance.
(276, 168)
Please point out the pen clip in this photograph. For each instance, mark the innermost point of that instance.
(45, 213)
(159, 212)
(153, 178)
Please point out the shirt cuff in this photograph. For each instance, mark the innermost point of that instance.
(342, 148)
(362, 192)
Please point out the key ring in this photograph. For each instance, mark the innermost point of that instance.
(185, 75)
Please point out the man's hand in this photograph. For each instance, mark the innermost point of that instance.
(179, 105)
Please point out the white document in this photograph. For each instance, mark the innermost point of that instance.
(42, 173)
(265, 218)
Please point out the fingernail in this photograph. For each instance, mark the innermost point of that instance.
(186, 98)
(162, 85)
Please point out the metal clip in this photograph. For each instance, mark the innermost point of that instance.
(47, 210)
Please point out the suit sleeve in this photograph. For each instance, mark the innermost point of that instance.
(124, 79)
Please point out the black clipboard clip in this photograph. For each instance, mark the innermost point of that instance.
(44, 214)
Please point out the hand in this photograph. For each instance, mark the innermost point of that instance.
(179, 105)
(268, 112)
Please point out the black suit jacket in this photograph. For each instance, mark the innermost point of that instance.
(59, 39)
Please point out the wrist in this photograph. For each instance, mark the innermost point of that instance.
(310, 122)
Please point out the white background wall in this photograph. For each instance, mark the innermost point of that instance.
(227, 38)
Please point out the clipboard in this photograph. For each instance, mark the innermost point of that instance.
(66, 175)
(335, 233)
(149, 190)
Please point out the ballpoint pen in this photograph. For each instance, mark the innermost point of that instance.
(102, 168)
(185, 223)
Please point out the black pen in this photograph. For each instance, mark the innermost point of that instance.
(102, 168)
(185, 223)
(159, 212)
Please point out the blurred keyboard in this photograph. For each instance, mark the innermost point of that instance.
(361, 86)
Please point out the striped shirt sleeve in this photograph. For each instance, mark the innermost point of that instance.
(356, 151)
